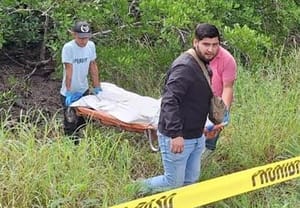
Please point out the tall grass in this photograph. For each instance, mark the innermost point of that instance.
(265, 127)
(39, 167)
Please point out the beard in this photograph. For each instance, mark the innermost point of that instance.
(202, 56)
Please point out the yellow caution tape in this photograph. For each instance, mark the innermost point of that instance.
(220, 188)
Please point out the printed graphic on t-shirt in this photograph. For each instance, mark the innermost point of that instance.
(80, 60)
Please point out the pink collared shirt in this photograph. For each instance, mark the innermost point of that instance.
(224, 69)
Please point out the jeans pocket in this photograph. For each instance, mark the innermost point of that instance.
(164, 143)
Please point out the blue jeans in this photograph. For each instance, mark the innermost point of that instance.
(179, 169)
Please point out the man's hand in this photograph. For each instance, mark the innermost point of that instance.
(68, 99)
(226, 118)
(177, 145)
(97, 90)
(72, 97)
(211, 131)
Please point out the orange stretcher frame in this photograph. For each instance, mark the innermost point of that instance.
(109, 120)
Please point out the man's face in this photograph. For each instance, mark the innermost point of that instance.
(81, 42)
(207, 48)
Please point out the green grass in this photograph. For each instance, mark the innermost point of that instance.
(265, 127)
(39, 167)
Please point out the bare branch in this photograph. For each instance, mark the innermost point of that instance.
(26, 77)
(13, 60)
(181, 34)
(43, 46)
(37, 63)
(105, 32)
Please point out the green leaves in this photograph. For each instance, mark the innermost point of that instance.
(247, 43)
(249, 27)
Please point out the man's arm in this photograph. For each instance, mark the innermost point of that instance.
(94, 72)
(69, 72)
(227, 94)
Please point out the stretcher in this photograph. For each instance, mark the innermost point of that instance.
(108, 120)
(123, 109)
(128, 111)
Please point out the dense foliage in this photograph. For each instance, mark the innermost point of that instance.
(251, 29)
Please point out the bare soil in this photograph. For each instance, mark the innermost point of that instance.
(25, 86)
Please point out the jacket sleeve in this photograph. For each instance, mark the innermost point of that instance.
(174, 92)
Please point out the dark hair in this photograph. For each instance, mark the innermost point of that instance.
(205, 30)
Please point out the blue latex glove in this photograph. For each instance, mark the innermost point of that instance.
(97, 90)
(68, 99)
(72, 97)
(226, 118)
(210, 127)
